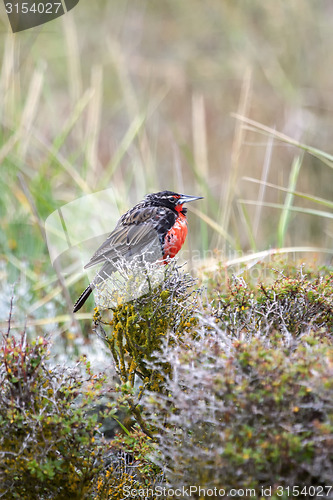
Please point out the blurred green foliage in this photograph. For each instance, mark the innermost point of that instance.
(139, 97)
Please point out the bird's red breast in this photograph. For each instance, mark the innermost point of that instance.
(175, 237)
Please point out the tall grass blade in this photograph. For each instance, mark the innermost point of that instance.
(301, 210)
(259, 127)
(244, 102)
(285, 216)
(306, 196)
(125, 144)
(265, 170)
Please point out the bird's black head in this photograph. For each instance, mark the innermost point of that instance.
(170, 199)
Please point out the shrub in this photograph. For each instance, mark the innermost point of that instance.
(47, 441)
(238, 395)
(291, 305)
(245, 414)
(131, 467)
(50, 443)
(248, 399)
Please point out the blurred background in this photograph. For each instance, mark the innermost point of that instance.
(231, 100)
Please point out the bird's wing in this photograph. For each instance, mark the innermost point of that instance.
(135, 233)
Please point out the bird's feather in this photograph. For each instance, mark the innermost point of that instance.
(135, 232)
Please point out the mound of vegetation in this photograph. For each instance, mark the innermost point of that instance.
(51, 446)
(238, 414)
(233, 393)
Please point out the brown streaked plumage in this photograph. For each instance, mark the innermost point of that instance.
(160, 218)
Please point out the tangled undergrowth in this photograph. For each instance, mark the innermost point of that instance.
(291, 305)
(51, 446)
(246, 414)
(47, 442)
(235, 392)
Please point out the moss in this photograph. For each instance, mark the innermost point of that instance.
(136, 331)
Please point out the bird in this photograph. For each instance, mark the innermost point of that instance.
(159, 219)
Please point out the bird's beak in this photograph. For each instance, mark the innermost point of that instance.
(184, 198)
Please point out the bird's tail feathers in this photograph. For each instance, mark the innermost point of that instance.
(83, 297)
